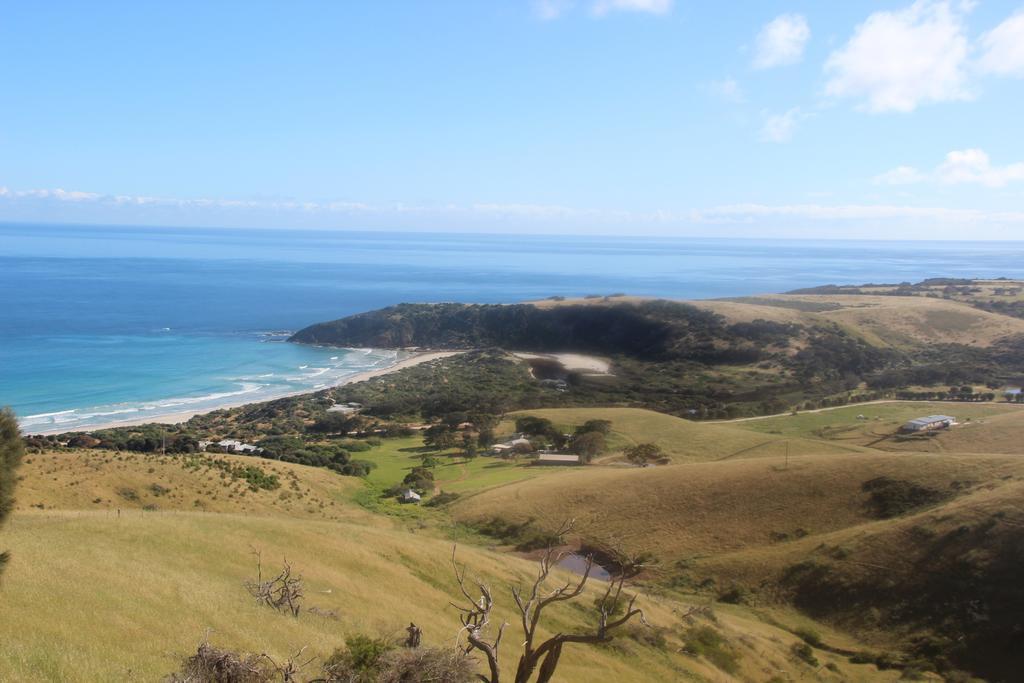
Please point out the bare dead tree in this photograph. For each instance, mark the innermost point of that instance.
(614, 609)
(283, 592)
(475, 619)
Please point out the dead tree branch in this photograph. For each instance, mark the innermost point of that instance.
(283, 592)
(542, 659)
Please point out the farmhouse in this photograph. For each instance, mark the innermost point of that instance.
(557, 459)
(410, 496)
(922, 424)
(345, 408)
(508, 446)
(231, 446)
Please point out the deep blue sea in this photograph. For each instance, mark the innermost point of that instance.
(99, 324)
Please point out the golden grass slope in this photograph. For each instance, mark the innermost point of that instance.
(107, 480)
(90, 596)
(880, 320)
(998, 433)
(680, 511)
(685, 440)
(876, 425)
(888, 321)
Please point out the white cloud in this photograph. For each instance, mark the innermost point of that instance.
(727, 89)
(974, 166)
(901, 175)
(780, 127)
(1003, 48)
(551, 9)
(896, 61)
(603, 7)
(781, 41)
(966, 166)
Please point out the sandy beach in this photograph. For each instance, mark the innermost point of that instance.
(176, 418)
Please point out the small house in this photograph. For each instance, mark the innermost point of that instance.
(928, 423)
(557, 459)
(235, 446)
(409, 496)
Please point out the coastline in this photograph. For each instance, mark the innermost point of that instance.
(416, 358)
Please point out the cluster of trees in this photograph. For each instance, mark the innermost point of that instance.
(333, 456)
(965, 393)
(485, 382)
(588, 440)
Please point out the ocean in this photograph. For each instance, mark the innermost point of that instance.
(100, 324)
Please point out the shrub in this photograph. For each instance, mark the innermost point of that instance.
(804, 653)
(442, 498)
(12, 449)
(809, 636)
(360, 662)
(127, 493)
(894, 497)
(707, 642)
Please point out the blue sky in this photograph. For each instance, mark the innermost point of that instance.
(672, 117)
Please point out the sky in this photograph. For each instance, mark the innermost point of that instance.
(849, 119)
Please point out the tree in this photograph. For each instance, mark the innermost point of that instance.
(602, 426)
(469, 446)
(11, 451)
(439, 437)
(589, 445)
(613, 609)
(534, 426)
(644, 453)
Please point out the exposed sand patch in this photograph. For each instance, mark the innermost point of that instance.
(574, 362)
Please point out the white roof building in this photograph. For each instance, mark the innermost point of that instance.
(557, 459)
(929, 422)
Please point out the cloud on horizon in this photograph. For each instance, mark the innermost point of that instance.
(960, 167)
(888, 221)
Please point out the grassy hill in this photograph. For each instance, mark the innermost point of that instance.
(890, 321)
(91, 595)
(107, 481)
(681, 511)
(683, 440)
(983, 428)
(914, 549)
(944, 581)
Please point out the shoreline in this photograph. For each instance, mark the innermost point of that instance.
(416, 358)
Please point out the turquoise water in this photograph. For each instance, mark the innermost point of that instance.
(99, 324)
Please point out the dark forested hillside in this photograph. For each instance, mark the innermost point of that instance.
(650, 330)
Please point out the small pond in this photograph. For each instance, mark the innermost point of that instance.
(577, 564)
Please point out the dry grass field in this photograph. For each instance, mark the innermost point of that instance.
(684, 440)
(982, 428)
(108, 481)
(896, 321)
(93, 595)
(677, 512)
